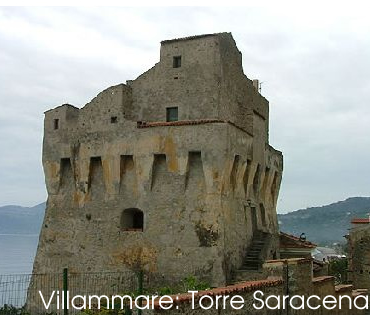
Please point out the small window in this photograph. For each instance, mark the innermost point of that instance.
(56, 124)
(172, 114)
(177, 61)
(113, 120)
(132, 219)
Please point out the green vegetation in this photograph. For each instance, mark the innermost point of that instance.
(338, 268)
(185, 285)
(12, 310)
(190, 283)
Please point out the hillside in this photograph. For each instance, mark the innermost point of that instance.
(326, 224)
(21, 220)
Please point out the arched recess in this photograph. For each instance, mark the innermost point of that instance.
(274, 187)
(263, 214)
(246, 177)
(256, 180)
(234, 172)
(132, 219)
(66, 175)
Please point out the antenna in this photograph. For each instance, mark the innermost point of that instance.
(260, 87)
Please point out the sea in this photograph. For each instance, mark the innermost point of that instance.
(17, 253)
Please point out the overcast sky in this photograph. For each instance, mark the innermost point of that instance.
(314, 62)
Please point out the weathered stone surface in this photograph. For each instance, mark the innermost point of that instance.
(195, 181)
(359, 255)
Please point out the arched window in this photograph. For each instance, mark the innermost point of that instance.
(132, 219)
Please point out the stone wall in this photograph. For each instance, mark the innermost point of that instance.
(359, 252)
(290, 277)
(298, 277)
(209, 84)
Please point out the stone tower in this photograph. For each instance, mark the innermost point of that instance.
(172, 171)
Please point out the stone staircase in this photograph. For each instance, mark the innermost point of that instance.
(251, 268)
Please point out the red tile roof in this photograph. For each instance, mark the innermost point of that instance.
(358, 292)
(291, 241)
(343, 287)
(148, 124)
(322, 279)
(360, 221)
(290, 260)
(248, 286)
(151, 124)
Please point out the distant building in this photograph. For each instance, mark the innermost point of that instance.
(326, 254)
(298, 247)
(359, 252)
(294, 247)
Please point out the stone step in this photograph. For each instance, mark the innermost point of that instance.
(254, 250)
(247, 275)
(251, 260)
(254, 267)
(250, 264)
(249, 256)
(242, 273)
(250, 267)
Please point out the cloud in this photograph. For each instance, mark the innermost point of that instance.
(313, 65)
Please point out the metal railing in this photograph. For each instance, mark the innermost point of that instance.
(21, 293)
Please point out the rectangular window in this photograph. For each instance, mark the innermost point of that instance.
(56, 124)
(172, 114)
(177, 61)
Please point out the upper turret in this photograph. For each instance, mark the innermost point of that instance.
(197, 77)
